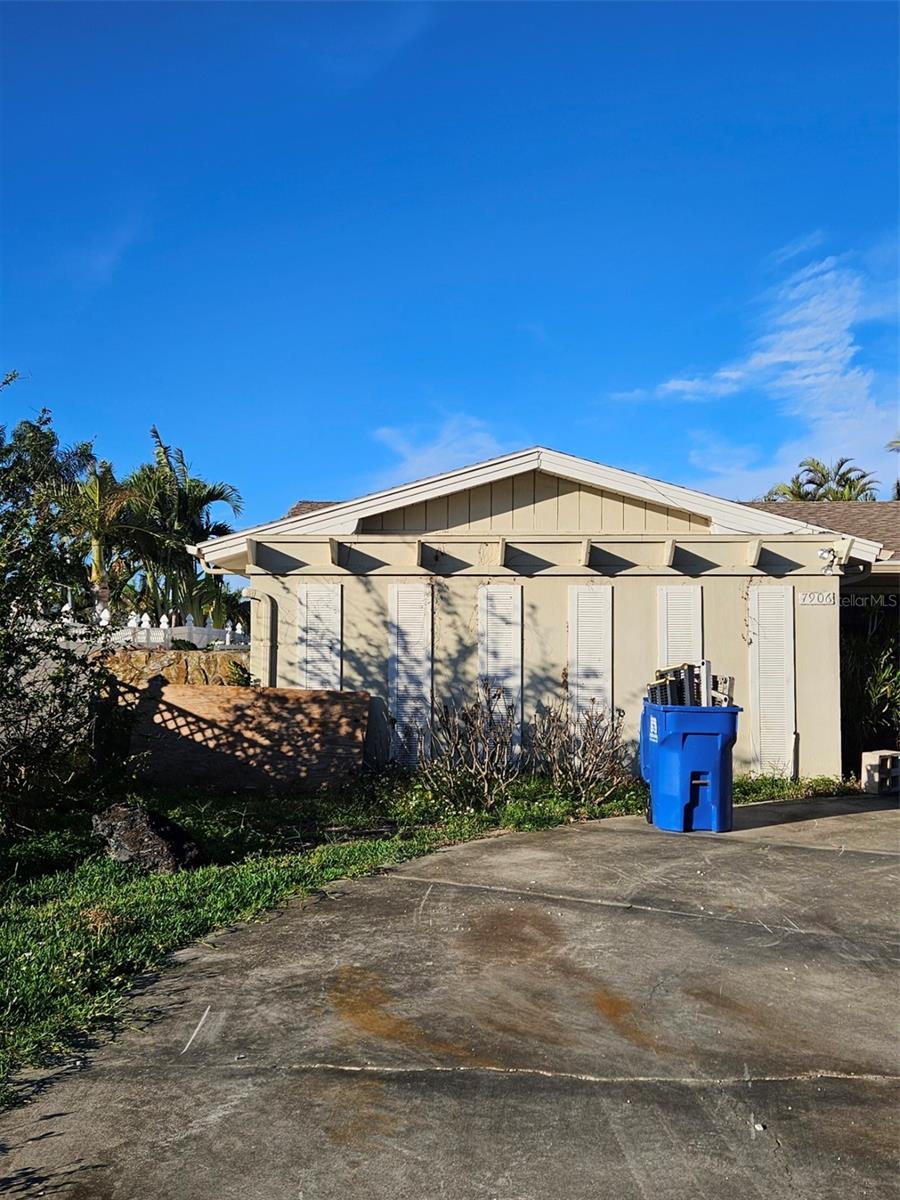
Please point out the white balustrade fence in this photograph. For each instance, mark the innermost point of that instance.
(140, 631)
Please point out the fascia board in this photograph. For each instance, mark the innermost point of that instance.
(428, 489)
(733, 517)
(726, 516)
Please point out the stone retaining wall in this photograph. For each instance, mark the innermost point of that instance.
(136, 668)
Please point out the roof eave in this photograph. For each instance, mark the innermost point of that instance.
(726, 516)
(343, 518)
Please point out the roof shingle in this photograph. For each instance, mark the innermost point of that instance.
(877, 520)
(302, 507)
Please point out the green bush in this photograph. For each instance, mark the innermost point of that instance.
(535, 812)
(627, 800)
(870, 685)
(236, 674)
(750, 789)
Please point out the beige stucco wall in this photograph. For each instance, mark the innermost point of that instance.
(725, 632)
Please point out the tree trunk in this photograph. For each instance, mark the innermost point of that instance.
(99, 577)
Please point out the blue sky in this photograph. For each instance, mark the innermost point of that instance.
(331, 247)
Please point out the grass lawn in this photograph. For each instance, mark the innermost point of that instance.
(76, 928)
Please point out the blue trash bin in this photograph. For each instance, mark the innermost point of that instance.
(685, 757)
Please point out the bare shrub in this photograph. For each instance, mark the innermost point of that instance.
(581, 753)
(474, 755)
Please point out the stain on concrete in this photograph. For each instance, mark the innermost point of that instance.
(716, 998)
(619, 1011)
(517, 934)
(361, 998)
(524, 936)
(760, 1021)
(368, 1120)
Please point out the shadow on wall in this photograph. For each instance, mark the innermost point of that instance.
(455, 664)
(365, 659)
(248, 737)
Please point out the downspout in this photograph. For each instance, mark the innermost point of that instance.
(205, 566)
(262, 623)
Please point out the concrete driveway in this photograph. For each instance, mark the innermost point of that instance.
(595, 1011)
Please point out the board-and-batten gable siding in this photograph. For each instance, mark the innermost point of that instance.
(320, 635)
(773, 717)
(534, 502)
(410, 668)
(590, 650)
(679, 624)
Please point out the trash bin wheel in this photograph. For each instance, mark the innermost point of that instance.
(648, 812)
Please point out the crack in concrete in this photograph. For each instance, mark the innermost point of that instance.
(581, 1077)
(628, 905)
(740, 838)
(746, 837)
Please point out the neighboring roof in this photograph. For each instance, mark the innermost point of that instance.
(725, 516)
(302, 507)
(879, 521)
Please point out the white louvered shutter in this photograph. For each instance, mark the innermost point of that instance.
(680, 613)
(409, 668)
(773, 718)
(590, 647)
(319, 635)
(500, 640)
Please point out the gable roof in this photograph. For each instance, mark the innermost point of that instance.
(726, 516)
(878, 521)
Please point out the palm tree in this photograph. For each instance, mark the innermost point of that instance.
(797, 488)
(96, 508)
(37, 477)
(816, 480)
(894, 444)
(173, 509)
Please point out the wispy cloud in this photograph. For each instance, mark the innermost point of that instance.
(459, 440)
(807, 353)
(94, 263)
(805, 363)
(631, 396)
(800, 245)
(535, 330)
(362, 40)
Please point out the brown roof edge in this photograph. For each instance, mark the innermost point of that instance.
(875, 520)
(302, 507)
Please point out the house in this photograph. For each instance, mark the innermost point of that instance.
(546, 572)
